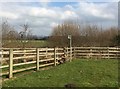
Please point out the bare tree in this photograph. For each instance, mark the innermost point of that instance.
(8, 33)
(108, 36)
(6, 30)
(83, 35)
(99, 36)
(59, 36)
(25, 34)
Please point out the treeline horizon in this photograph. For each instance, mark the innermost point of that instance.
(82, 35)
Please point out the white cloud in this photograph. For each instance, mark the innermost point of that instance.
(43, 18)
(59, 0)
(8, 15)
(53, 24)
(97, 10)
(42, 12)
(69, 7)
(68, 15)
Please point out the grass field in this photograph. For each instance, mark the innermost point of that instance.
(81, 73)
(26, 43)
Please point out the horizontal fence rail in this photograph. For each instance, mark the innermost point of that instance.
(97, 52)
(14, 60)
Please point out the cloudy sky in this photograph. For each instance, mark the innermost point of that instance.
(43, 16)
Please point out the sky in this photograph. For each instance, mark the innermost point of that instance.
(43, 16)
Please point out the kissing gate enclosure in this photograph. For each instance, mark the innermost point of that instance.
(15, 60)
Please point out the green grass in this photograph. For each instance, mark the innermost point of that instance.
(82, 73)
(20, 43)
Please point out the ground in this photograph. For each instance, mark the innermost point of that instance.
(79, 72)
(26, 43)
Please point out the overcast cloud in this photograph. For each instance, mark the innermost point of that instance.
(42, 17)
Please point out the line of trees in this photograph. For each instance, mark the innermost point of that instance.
(10, 33)
(10, 37)
(84, 35)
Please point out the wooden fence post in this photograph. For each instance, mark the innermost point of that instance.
(108, 52)
(67, 52)
(117, 53)
(91, 52)
(2, 54)
(24, 55)
(74, 53)
(11, 63)
(37, 59)
(64, 51)
(70, 54)
(46, 52)
(54, 56)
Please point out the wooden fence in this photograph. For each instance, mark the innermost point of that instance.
(16, 60)
(97, 52)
